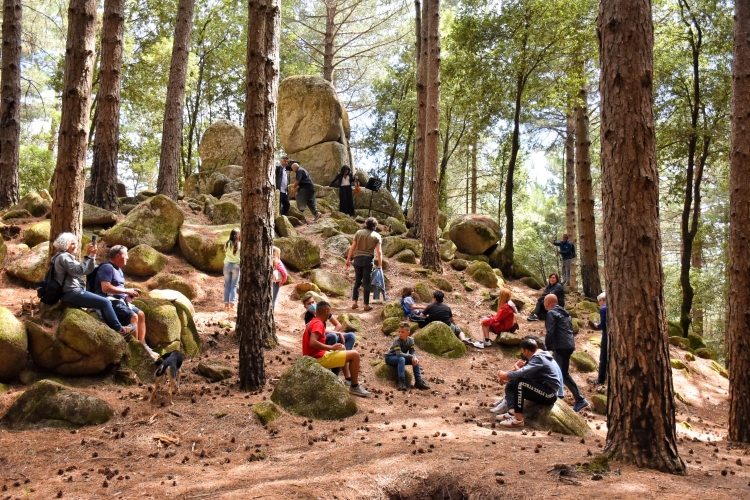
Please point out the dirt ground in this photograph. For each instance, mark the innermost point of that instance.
(434, 444)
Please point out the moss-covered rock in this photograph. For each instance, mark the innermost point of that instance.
(423, 292)
(221, 145)
(447, 250)
(393, 310)
(338, 245)
(558, 418)
(696, 341)
(49, 404)
(226, 212)
(3, 251)
(392, 245)
(585, 307)
(482, 274)
(95, 216)
(301, 289)
(168, 281)
(139, 361)
(599, 401)
(719, 369)
(474, 234)
(34, 203)
(395, 225)
(406, 256)
(330, 283)
(144, 261)
(350, 322)
(17, 214)
(674, 329)
(678, 364)
(163, 326)
(439, 340)
(678, 341)
(189, 338)
(13, 346)
(203, 246)
(299, 254)
(30, 266)
(706, 353)
(389, 373)
(37, 233)
(347, 225)
(576, 324)
(689, 356)
(459, 264)
(173, 296)
(266, 412)
(390, 325)
(155, 222)
(532, 283)
(583, 361)
(284, 228)
(309, 390)
(442, 284)
(215, 372)
(509, 339)
(382, 202)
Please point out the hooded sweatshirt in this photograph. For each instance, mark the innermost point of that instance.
(559, 329)
(540, 369)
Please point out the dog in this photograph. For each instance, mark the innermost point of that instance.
(169, 369)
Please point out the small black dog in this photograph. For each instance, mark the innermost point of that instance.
(169, 369)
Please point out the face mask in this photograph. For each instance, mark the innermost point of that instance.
(312, 308)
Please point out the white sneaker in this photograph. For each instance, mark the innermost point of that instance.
(151, 352)
(487, 343)
(502, 407)
(478, 345)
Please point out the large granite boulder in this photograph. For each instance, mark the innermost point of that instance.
(309, 390)
(382, 201)
(81, 344)
(30, 266)
(144, 261)
(473, 233)
(163, 326)
(299, 254)
(213, 182)
(155, 223)
(482, 273)
(221, 145)
(330, 283)
(189, 338)
(173, 296)
(323, 161)
(439, 340)
(49, 404)
(166, 281)
(13, 345)
(350, 322)
(139, 361)
(95, 216)
(37, 233)
(447, 250)
(34, 203)
(310, 113)
(391, 245)
(283, 227)
(203, 246)
(393, 309)
(338, 245)
(558, 418)
(225, 212)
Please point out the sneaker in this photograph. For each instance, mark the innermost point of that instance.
(151, 352)
(580, 405)
(512, 422)
(505, 416)
(419, 384)
(533, 317)
(318, 216)
(468, 341)
(347, 383)
(367, 308)
(478, 345)
(127, 330)
(355, 305)
(487, 343)
(502, 407)
(402, 385)
(358, 390)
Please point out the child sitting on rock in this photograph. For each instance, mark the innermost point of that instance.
(402, 352)
(408, 303)
(330, 356)
(503, 321)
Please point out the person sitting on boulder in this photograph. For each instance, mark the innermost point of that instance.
(402, 352)
(408, 303)
(437, 311)
(536, 380)
(503, 321)
(560, 341)
(110, 283)
(602, 325)
(332, 338)
(553, 287)
(70, 273)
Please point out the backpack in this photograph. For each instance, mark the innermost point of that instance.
(49, 290)
(91, 277)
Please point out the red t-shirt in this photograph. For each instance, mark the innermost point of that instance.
(317, 326)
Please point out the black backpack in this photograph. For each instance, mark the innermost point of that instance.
(91, 277)
(49, 290)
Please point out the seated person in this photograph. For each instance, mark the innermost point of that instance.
(332, 336)
(402, 352)
(503, 321)
(335, 356)
(553, 287)
(536, 381)
(437, 311)
(408, 303)
(110, 283)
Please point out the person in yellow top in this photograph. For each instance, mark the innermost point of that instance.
(231, 268)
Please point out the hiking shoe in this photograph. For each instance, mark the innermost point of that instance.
(478, 345)
(358, 390)
(318, 216)
(533, 317)
(367, 308)
(419, 384)
(127, 330)
(580, 405)
(511, 422)
(502, 407)
(487, 343)
(355, 305)
(402, 385)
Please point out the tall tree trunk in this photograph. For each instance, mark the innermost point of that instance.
(587, 252)
(697, 264)
(404, 161)
(70, 170)
(738, 328)
(429, 220)
(419, 147)
(10, 109)
(640, 397)
(193, 120)
(392, 156)
(570, 192)
(474, 176)
(171, 137)
(106, 140)
(255, 325)
(329, 39)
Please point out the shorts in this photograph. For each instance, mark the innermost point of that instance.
(333, 359)
(124, 311)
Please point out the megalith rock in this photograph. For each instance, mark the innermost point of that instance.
(163, 326)
(144, 261)
(34, 203)
(323, 161)
(439, 340)
(37, 233)
(309, 113)
(382, 201)
(330, 283)
(13, 345)
(213, 182)
(95, 216)
(221, 145)
(30, 266)
(155, 222)
(203, 246)
(166, 281)
(298, 253)
(474, 234)
(482, 273)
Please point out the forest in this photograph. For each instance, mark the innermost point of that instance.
(495, 127)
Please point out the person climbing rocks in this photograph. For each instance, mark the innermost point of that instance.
(303, 191)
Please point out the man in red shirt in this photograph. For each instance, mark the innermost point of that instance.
(330, 356)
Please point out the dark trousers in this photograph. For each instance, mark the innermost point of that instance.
(603, 358)
(284, 203)
(562, 358)
(346, 200)
(516, 392)
(333, 339)
(362, 271)
(539, 311)
(306, 198)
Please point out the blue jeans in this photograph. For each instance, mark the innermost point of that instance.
(276, 287)
(333, 338)
(82, 298)
(400, 363)
(231, 277)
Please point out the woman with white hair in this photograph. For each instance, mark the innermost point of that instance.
(70, 273)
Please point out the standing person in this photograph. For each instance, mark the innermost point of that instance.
(280, 273)
(560, 341)
(401, 353)
(567, 253)
(231, 268)
(362, 253)
(345, 180)
(282, 184)
(602, 325)
(503, 321)
(437, 311)
(304, 191)
(553, 287)
(70, 273)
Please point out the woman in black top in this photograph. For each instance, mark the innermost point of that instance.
(553, 287)
(345, 181)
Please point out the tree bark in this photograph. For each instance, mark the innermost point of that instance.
(171, 138)
(106, 140)
(738, 327)
(404, 161)
(329, 39)
(419, 146)
(193, 120)
(430, 188)
(640, 403)
(70, 170)
(587, 252)
(474, 176)
(10, 109)
(570, 192)
(255, 325)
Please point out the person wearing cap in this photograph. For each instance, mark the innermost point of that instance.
(602, 325)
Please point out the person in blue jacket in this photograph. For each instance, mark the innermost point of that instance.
(602, 325)
(567, 253)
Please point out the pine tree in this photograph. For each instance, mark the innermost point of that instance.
(10, 109)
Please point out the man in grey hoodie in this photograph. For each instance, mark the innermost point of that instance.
(560, 341)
